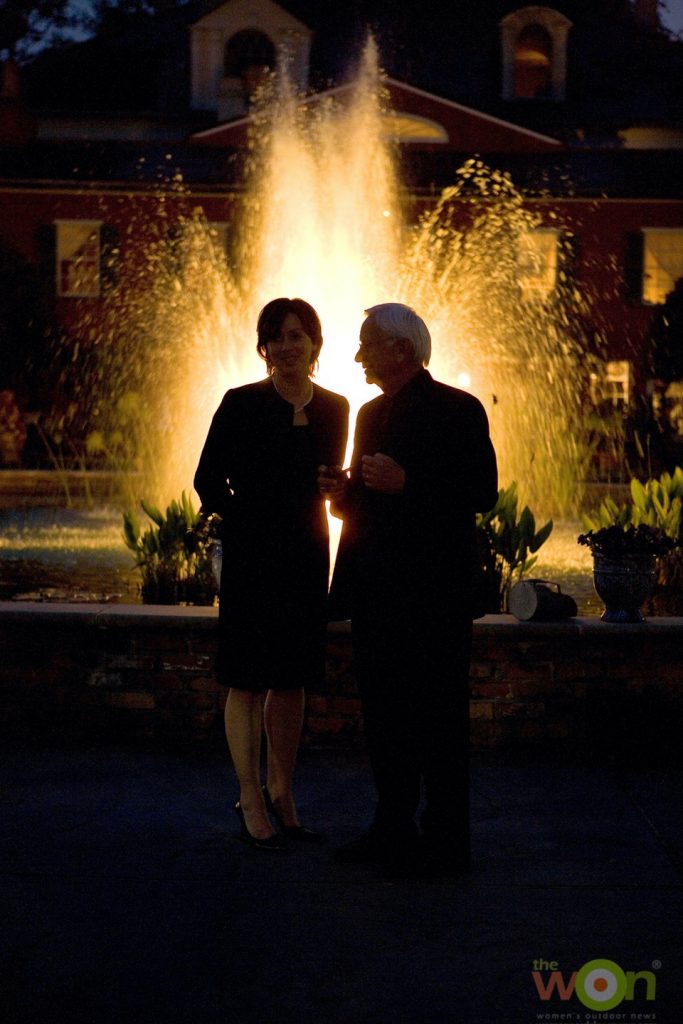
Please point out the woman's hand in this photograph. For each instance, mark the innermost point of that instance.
(381, 473)
(332, 482)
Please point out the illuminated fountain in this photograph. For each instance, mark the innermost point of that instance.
(323, 218)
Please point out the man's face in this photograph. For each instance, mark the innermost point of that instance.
(377, 354)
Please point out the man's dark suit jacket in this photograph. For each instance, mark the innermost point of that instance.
(412, 554)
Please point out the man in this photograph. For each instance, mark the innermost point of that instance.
(423, 465)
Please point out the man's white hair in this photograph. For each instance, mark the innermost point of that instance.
(399, 321)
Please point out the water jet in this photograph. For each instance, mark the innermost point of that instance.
(324, 214)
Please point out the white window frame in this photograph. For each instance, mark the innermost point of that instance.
(611, 382)
(78, 249)
(537, 263)
(662, 263)
(619, 382)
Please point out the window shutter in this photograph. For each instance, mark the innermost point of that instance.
(109, 258)
(46, 247)
(633, 267)
(567, 261)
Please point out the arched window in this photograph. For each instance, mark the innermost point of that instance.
(249, 55)
(534, 45)
(533, 63)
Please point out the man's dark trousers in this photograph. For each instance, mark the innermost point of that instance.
(413, 681)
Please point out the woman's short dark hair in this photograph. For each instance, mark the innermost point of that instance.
(272, 317)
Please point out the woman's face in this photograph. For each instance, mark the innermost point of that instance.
(292, 352)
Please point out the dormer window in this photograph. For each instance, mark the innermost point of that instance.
(533, 63)
(235, 46)
(249, 56)
(534, 43)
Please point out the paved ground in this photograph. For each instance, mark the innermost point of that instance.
(128, 898)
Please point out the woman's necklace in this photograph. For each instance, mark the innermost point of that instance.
(297, 407)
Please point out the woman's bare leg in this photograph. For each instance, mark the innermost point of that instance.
(243, 728)
(283, 719)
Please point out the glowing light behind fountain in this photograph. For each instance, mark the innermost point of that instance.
(322, 219)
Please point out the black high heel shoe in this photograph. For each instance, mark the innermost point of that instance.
(300, 833)
(273, 842)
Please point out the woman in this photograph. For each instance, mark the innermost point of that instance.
(258, 471)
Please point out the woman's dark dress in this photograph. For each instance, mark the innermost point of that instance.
(259, 472)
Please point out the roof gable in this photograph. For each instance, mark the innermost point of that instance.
(237, 14)
(418, 119)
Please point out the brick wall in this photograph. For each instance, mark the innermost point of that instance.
(147, 672)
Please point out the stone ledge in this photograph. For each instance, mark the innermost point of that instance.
(147, 671)
(173, 617)
(197, 617)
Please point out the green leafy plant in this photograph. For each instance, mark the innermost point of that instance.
(657, 506)
(508, 543)
(173, 554)
(617, 541)
(657, 503)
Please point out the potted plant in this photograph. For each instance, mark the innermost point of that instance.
(657, 504)
(624, 566)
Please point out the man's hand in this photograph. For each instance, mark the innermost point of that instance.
(381, 473)
(332, 482)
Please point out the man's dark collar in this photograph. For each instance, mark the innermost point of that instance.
(413, 385)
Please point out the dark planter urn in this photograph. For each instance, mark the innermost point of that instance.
(624, 584)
